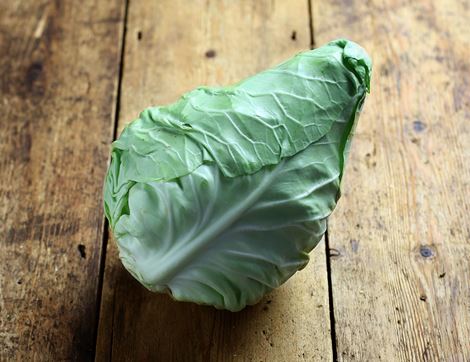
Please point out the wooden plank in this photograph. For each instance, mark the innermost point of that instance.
(59, 70)
(172, 47)
(400, 269)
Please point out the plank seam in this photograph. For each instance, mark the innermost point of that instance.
(310, 24)
(327, 241)
(330, 297)
(106, 224)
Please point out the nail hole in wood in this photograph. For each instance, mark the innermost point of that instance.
(419, 126)
(82, 250)
(426, 251)
(211, 53)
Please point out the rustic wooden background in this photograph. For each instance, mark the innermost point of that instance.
(391, 281)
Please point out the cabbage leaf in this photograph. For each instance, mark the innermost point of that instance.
(219, 197)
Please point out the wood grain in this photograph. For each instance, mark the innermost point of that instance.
(172, 47)
(59, 68)
(401, 235)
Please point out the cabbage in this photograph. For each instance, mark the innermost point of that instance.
(219, 197)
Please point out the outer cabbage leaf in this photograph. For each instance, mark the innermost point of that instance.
(219, 197)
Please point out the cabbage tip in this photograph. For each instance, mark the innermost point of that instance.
(219, 197)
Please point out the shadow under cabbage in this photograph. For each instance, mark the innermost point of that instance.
(150, 326)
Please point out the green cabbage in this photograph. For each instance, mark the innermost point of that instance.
(219, 197)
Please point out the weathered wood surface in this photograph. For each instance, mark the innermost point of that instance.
(400, 239)
(172, 47)
(401, 235)
(58, 74)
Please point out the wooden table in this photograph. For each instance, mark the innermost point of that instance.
(391, 281)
